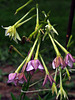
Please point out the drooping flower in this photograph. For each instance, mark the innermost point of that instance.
(34, 65)
(21, 78)
(11, 32)
(12, 78)
(58, 61)
(48, 77)
(69, 60)
(16, 78)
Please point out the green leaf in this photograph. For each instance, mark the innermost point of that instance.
(49, 96)
(13, 97)
(39, 98)
(26, 98)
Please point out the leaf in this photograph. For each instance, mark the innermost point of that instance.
(13, 97)
(39, 98)
(26, 98)
(49, 96)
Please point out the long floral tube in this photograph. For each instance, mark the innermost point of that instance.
(61, 47)
(23, 17)
(55, 47)
(23, 6)
(20, 66)
(25, 21)
(30, 54)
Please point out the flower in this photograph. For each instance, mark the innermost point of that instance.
(21, 78)
(34, 65)
(48, 77)
(58, 61)
(16, 78)
(11, 32)
(62, 93)
(54, 88)
(12, 78)
(69, 60)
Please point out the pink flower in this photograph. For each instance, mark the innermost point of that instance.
(12, 78)
(69, 60)
(34, 65)
(48, 77)
(16, 78)
(21, 78)
(58, 61)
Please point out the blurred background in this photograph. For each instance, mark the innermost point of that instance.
(59, 15)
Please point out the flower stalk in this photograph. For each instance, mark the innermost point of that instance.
(37, 51)
(66, 52)
(55, 47)
(25, 21)
(46, 70)
(23, 6)
(23, 17)
(68, 74)
(54, 88)
(20, 66)
(17, 51)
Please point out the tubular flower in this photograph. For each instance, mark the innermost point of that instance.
(11, 32)
(48, 77)
(34, 65)
(58, 61)
(12, 78)
(16, 78)
(21, 78)
(69, 60)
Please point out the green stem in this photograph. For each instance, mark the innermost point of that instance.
(66, 52)
(37, 51)
(60, 78)
(40, 26)
(23, 17)
(20, 66)
(31, 52)
(55, 75)
(18, 52)
(37, 19)
(68, 73)
(46, 70)
(23, 6)
(55, 47)
(25, 21)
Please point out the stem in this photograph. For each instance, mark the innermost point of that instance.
(55, 75)
(35, 82)
(35, 91)
(25, 21)
(37, 19)
(23, 6)
(23, 17)
(66, 52)
(60, 78)
(37, 52)
(18, 69)
(40, 26)
(31, 52)
(68, 73)
(55, 47)
(18, 52)
(46, 70)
